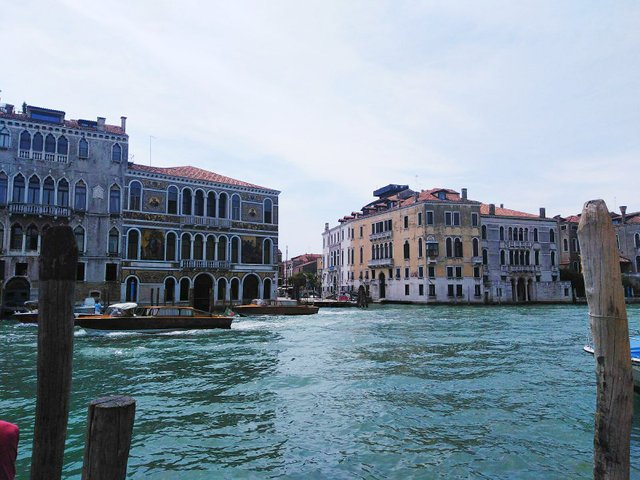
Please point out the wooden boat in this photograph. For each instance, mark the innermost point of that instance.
(634, 343)
(130, 317)
(29, 314)
(281, 306)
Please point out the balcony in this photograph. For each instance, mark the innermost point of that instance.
(520, 268)
(206, 264)
(39, 210)
(381, 235)
(205, 221)
(381, 263)
(49, 157)
(519, 244)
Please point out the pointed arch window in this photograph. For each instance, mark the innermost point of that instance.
(553, 258)
(172, 200)
(38, 142)
(5, 138)
(211, 204)
(535, 234)
(33, 192)
(636, 239)
(18, 189)
(114, 199)
(552, 236)
(268, 211)
(222, 206)
(114, 241)
(83, 148)
(503, 257)
(48, 192)
(476, 247)
(186, 201)
(31, 243)
(63, 193)
(16, 237)
(50, 144)
(185, 251)
(135, 196)
(171, 246)
(485, 256)
(78, 232)
(133, 244)
(116, 153)
(483, 233)
(457, 248)
(63, 145)
(1, 237)
(4, 188)
(80, 196)
(25, 140)
(235, 207)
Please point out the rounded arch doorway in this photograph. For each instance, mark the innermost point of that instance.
(16, 292)
(202, 288)
(250, 288)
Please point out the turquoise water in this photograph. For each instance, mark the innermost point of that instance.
(390, 392)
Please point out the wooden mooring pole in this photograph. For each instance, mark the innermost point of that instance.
(608, 319)
(109, 430)
(57, 273)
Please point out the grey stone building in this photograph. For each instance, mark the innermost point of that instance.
(57, 171)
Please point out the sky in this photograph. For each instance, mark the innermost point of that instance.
(526, 104)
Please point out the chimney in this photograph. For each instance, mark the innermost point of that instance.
(326, 227)
(101, 121)
(464, 193)
(543, 212)
(623, 212)
(492, 209)
(502, 205)
(123, 123)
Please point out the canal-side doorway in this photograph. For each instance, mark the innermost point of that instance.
(202, 288)
(382, 287)
(250, 288)
(16, 292)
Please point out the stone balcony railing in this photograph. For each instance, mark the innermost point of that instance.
(519, 244)
(380, 263)
(49, 157)
(206, 264)
(381, 235)
(40, 210)
(205, 221)
(521, 268)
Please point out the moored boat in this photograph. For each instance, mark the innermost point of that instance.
(130, 317)
(281, 306)
(634, 343)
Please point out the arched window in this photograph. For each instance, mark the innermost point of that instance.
(116, 153)
(535, 234)
(483, 231)
(511, 257)
(170, 290)
(526, 234)
(419, 248)
(172, 200)
(485, 257)
(1, 237)
(199, 203)
(235, 289)
(198, 248)
(553, 258)
(503, 258)
(33, 193)
(114, 241)
(5, 138)
(266, 289)
(25, 140)
(406, 249)
(638, 264)
(222, 248)
(266, 252)
(636, 239)
(211, 204)
(184, 289)
(457, 248)
(16, 238)
(135, 196)
(185, 250)
(510, 233)
(48, 192)
(552, 236)
(4, 188)
(17, 195)
(565, 245)
(83, 148)
(131, 295)
(235, 207)
(222, 206)
(38, 143)
(63, 145)
(521, 234)
(114, 199)
(536, 257)
(50, 145)
(63, 193)
(186, 201)
(78, 232)
(235, 250)
(449, 247)
(501, 233)
(268, 211)
(171, 246)
(133, 244)
(31, 243)
(210, 250)
(476, 247)
(80, 196)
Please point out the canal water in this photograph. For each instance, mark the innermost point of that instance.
(389, 392)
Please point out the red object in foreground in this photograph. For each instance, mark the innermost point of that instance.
(9, 434)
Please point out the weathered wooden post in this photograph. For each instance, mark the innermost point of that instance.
(57, 271)
(608, 318)
(109, 429)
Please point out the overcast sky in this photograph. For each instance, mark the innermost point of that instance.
(529, 104)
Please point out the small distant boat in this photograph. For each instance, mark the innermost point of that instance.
(634, 343)
(130, 317)
(29, 313)
(281, 306)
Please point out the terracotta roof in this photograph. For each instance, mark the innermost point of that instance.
(193, 173)
(112, 129)
(506, 212)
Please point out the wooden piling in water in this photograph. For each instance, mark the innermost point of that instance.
(57, 274)
(608, 319)
(109, 430)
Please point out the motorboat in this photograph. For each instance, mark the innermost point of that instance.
(634, 343)
(280, 306)
(29, 312)
(130, 317)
